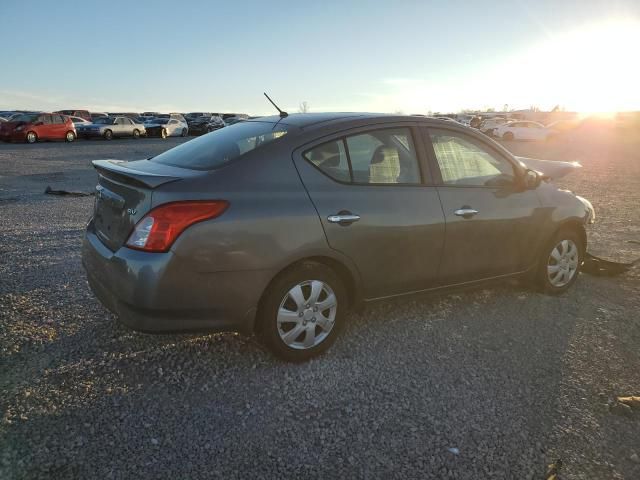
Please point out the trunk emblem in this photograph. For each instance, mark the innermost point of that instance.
(131, 211)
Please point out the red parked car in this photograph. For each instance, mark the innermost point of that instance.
(31, 127)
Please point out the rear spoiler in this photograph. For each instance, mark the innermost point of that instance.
(127, 172)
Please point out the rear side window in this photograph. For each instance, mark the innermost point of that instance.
(331, 158)
(215, 149)
(385, 156)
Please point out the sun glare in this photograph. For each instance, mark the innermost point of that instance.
(593, 69)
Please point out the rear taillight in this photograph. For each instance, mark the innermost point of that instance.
(159, 228)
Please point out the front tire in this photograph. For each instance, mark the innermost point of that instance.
(302, 312)
(31, 137)
(108, 135)
(560, 262)
(136, 133)
(507, 136)
(184, 132)
(164, 133)
(69, 136)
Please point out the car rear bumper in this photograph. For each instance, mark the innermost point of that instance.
(162, 292)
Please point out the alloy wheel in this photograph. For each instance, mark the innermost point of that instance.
(562, 264)
(31, 137)
(307, 314)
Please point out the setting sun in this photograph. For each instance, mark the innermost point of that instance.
(591, 69)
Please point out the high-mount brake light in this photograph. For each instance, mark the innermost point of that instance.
(159, 228)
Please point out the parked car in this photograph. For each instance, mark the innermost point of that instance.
(2, 119)
(233, 120)
(166, 127)
(278, 226)
(112, 127)
(77, 121)
(522, 130)
(95, 115)
(76, 113)
(202, 125)
(488, 125)
(31, 127)
(196, 115)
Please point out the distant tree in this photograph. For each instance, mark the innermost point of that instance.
(505, 107)
(304, 107)
(491, 109)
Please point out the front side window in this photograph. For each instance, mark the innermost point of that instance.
(385, 156)
(464, 161)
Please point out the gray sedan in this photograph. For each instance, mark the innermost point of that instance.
(278, 226)
(111, 127)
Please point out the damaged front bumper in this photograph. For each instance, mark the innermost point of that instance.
(591, 213)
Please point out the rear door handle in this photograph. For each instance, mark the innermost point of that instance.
(343, 218)
(466, 212)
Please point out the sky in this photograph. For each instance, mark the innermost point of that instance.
(384, 56)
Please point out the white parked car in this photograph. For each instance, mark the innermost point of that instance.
(490, 124)
(522, 130)
(166, 127)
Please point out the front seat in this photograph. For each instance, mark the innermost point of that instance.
(385, 165)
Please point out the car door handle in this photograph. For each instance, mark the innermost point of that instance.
(466, 212)
(343, 218)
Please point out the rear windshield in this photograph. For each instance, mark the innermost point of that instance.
(215, 149)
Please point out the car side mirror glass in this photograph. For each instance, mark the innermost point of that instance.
(532, 179)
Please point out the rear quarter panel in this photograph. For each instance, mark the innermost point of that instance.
(269, 224)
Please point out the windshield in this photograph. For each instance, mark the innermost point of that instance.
(104, 120)
(215, 149)
(23, 117)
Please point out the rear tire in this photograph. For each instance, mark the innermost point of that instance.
(507, 136)
(291, 319)
(184, 132)
(69, 136)
(31, 137)
(163, 133)
(108, 135)
(560, 262)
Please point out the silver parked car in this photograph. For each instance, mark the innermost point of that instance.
(111, 127)
(279, 225)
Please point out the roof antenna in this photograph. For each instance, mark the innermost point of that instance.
(282, 113)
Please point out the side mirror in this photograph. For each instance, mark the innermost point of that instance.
(532, 179)
(37, 124)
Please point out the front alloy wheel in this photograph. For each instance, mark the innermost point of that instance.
(32, 137)
(562, 265)
(560, 262)
(163, 133)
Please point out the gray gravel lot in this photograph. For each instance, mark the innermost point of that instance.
(510, 378)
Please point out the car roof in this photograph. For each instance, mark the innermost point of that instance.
(309, 121)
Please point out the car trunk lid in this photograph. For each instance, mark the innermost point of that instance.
(123, 195)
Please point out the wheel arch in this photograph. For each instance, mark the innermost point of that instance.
(346, 273)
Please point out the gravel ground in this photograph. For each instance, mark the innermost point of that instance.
(492, 383)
